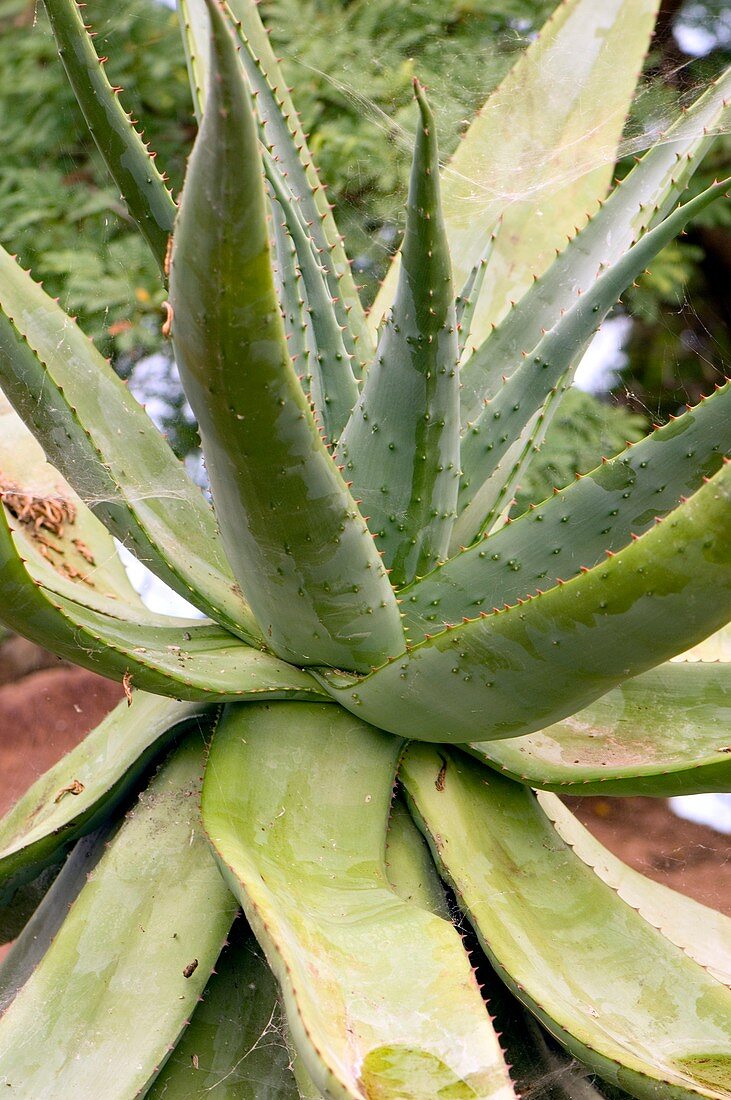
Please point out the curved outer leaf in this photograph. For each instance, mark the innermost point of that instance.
(86, 420)
(516, 671)
(287, 142)
(401, 445)
(54, 812)
(619, 995)
(185, 660)
(541, 151)
(56, 530)
(575, 528)
(180, 657)
(644, 195)
(702, 933)
(379, 995)
(499, 444)
(126, 156)
(232, 1048)
(293, 533)
(662, 733)
(114, 979)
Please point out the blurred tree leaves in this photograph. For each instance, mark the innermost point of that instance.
(681, 344)
(352, 63)
(57, 208)
(583, 431)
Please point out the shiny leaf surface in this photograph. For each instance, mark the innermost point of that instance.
(661, 734)
(125, 952)
(586, 963)
(87, 785)
(303, 848)
(84, 417)
(296, 541)
(233, 1048)
(516, 671)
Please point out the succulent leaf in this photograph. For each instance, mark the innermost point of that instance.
(516, 671)
(409, 865)
(105, 445)
(573, 530)
(702, 933)
(376, 997)
(498, 445)
(130, 164)
(295, 539)
(333, 388)
(155, 903)
(34, 938)
(541, 151)
(232, 1047)
(303, 849)
(183, 658)
(401, 445)
(85, 788)
(643, 198)
(540, 911)
(71, 548)
(286, 140)
(195, 29)
(18, 906)
(468, 297)
(621, 743)
(293, 299)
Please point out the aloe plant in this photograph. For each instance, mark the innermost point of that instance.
(374, 620)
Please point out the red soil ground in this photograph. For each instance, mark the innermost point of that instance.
(646, 834)
(44, 715)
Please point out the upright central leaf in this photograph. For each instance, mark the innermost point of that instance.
(401, 445)
(295, 539)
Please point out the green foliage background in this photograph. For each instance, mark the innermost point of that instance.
(352, 62)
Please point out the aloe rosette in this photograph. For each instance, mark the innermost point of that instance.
(393, 678)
